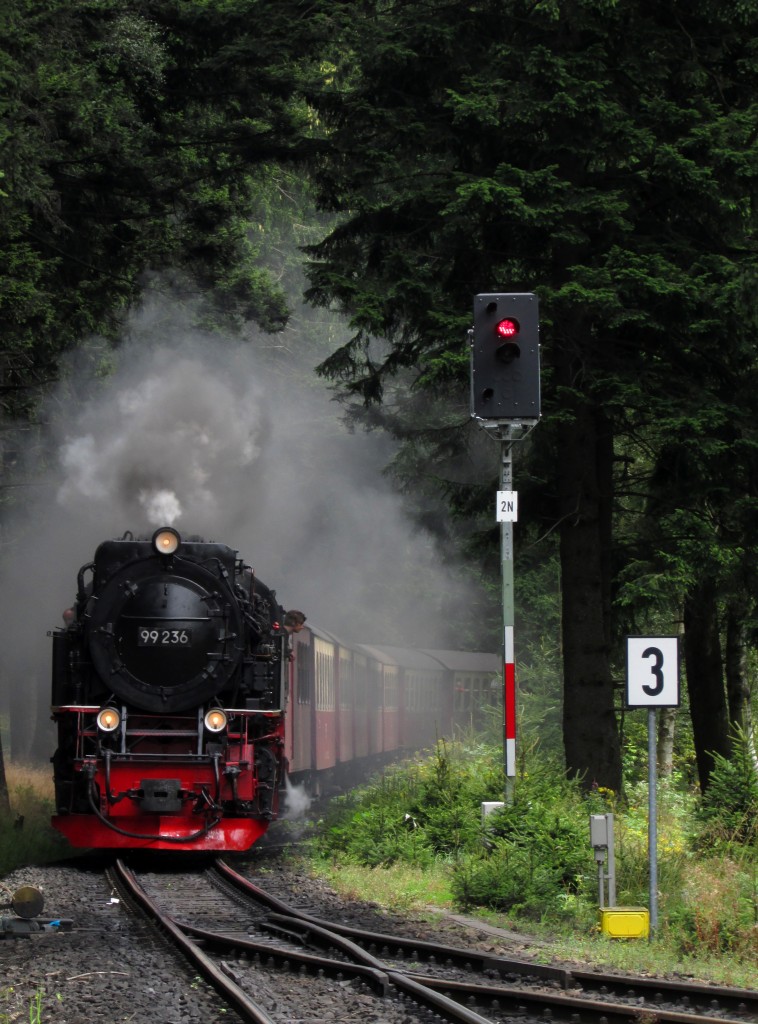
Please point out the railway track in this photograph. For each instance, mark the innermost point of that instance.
(222, 915)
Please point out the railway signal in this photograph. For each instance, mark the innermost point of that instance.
(505, 357)
(505, 401)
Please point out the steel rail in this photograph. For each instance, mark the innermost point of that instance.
(224, 985)
(742, 1002)
(236, 997)
(415, 947)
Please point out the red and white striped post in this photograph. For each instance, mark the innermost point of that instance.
(509, 678)
(507, 513)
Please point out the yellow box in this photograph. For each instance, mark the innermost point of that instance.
(624, 922)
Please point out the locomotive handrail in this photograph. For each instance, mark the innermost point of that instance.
(81, 591)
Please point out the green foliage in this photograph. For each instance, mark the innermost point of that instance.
(718, 910)
(121, 155)
(532, 859)
(26, 835)
(514, 879)
(598, 154)
(536, 861)
(420, 810)
(729, 811)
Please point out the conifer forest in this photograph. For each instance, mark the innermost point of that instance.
(328, 184)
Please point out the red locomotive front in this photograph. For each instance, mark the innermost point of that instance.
(168, 693)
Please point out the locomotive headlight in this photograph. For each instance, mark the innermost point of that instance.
(166, 541)
(215, 720)
(108, 719)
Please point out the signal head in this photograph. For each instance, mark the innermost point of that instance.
(505, 359)
(508, 328)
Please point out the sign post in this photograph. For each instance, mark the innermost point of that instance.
(505, 401)
(652, 681)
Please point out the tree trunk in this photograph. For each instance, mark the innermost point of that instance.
(705, 679)
(666, 731)
(23, 717)
(5, 800)
(737, 685)
(585, 467)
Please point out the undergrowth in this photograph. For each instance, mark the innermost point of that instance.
(532, 860)
(26, 835)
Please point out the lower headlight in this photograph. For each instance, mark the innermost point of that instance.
(215, 720)
(108, 719)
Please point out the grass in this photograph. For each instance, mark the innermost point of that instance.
(401, 889)
(26, 835)
(36, 779)
(408, 890)
(13, 1003)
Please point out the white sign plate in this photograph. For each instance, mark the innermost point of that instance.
(507, 506)
(652, 672)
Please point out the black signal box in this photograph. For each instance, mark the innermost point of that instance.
(505, 357)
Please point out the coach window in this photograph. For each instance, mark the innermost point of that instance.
(304, 682)
(390, 687)
(360, 677)
(412, 691)
(376, 683)
(324, 681)
(346, 680)
(462, 693)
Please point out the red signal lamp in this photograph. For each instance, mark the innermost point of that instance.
(507, 328)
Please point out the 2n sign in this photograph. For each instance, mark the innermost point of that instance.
(652, 672)
(507, 506)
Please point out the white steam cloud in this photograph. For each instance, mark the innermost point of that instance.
(220, 440)
(161, 451)
(297, 801)
(160, 506)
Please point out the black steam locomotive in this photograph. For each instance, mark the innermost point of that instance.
(168, 691)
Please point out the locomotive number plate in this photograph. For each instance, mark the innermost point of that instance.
(149, 636)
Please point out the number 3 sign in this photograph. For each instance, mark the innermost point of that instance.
(652, 672)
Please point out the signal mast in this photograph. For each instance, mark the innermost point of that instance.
(505, 402)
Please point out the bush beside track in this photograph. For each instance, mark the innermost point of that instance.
(533, 861)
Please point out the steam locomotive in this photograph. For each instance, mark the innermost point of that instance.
(168, 692)
(182, 704)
